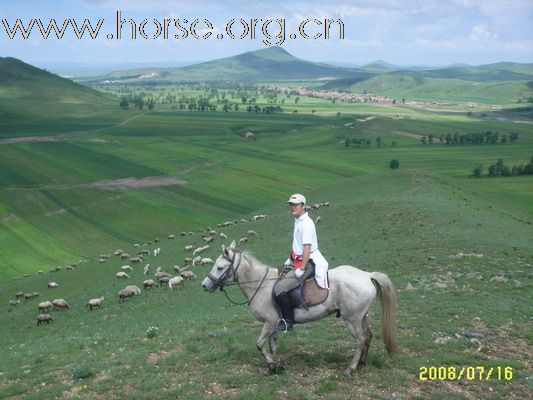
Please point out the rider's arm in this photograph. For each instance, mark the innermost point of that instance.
(306, 255)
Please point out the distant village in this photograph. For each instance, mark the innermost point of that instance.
(364, 97)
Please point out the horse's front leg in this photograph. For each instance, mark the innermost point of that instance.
(268, 334)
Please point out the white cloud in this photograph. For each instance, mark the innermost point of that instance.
(480, 33)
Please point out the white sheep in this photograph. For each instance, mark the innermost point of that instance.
(174, 281)
(44, 306)
(177, 268)
(161, 274)
(134, 288)
(146, 269)
(188, 275)
(189, 247)
(128, 291)
(317, 220)
(136, 259)
(60, 304)
(207, 260)
(52, 285)
(122, 275)
(126, 268)
(243, 240)
(253, 233)
(95, 303)
(44, 318)
(223, 235)
(149, 284)
(14, 303)
(200, 250)
(196, 260)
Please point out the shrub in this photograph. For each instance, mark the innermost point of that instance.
(81, 373)
(394, 164)
(151, 332)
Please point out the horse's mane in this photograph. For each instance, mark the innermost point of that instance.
(248, 254)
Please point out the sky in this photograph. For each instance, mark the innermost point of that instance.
(401, 32)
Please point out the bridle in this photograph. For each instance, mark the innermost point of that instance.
(222, 281)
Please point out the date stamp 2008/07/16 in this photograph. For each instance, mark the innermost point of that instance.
(470, 373)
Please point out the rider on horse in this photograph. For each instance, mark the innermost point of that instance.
(305, 261)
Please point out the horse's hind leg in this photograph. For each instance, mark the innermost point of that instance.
(358, 332)
(368, 339)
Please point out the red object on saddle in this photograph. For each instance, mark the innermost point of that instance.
(296, 260)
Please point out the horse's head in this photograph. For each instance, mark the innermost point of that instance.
(224, 268)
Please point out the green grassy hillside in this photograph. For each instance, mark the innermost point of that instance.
(458, 258)
(33, 100)
(63, 200)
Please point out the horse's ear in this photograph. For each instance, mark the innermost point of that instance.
(233, 245)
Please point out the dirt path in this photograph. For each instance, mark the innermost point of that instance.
(111, 184)
(66, 135)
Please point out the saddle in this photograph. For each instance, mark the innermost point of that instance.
(309, 294)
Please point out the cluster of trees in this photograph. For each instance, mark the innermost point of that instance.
(138, 102)
(500, 169)
(487, 137)
(366, 142)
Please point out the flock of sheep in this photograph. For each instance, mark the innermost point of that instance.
(160, 278)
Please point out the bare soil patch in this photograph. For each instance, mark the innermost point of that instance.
(126, 183)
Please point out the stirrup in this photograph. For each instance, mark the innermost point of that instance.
(283, 326)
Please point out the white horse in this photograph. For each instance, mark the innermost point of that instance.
(352, 292)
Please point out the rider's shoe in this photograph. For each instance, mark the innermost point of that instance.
(284, 325)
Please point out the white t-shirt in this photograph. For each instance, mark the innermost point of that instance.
(304, 233)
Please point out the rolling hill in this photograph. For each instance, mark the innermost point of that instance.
(271, 64)
(31, 98)
(415, 86)
(503, 82)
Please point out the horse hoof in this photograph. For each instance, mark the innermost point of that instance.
(349, 372)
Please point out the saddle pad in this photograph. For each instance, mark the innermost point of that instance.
(313, 294)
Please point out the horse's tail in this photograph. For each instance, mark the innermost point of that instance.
(387, 297)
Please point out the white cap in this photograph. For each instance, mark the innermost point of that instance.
(296, 198)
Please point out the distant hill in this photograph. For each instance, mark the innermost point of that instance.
(413, 86)
(271, 64)
(480, 73)
(32, 95)
(499, 83)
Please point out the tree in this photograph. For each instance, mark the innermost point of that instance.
(394, 164)
(124, 104)
(478, 171)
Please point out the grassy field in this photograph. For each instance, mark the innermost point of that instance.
(461, 262)
(57, 209)
(90, 180)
